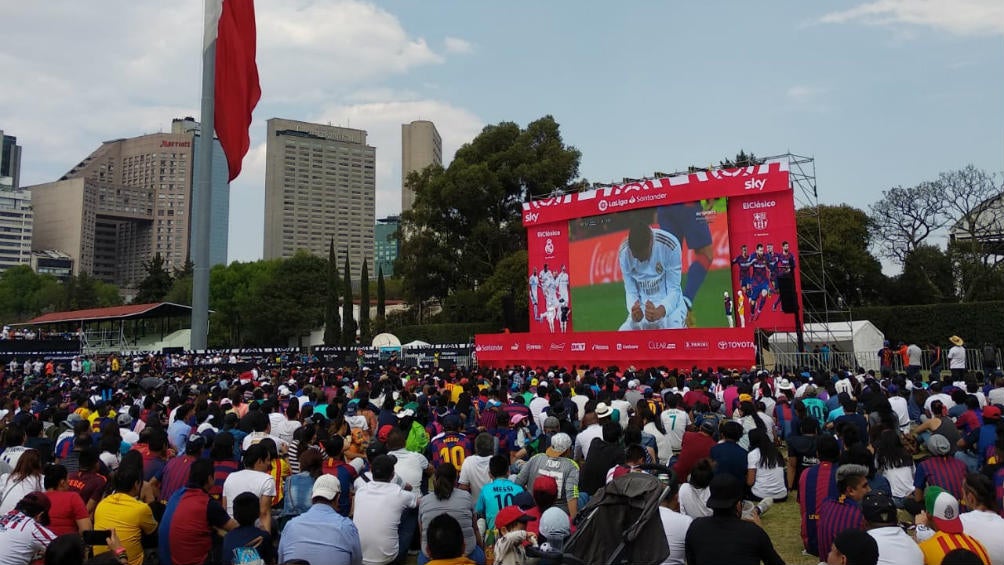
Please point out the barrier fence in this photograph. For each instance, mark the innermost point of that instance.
(976, 360)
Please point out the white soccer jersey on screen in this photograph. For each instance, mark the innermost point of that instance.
(562, 282)
(533, 288)
(656, 280)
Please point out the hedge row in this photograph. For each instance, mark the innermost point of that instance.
(444, 333)
(975, 322)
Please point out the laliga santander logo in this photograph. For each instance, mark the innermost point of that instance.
(602, 205)
(549, 247)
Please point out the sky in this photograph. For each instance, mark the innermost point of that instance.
(881, 93)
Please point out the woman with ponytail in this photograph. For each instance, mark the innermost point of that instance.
(445, 499)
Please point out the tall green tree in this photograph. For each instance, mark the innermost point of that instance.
(364, 304)
(467, 218)
(157, 283)
(233, 290)
(835, 241)
(381, 308)
(290, 304)
(348, 321)
(332, 323)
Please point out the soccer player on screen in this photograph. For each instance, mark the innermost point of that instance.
(652, 267)
(534, 282)
(744, 261)
(784, 266)
(690, 226)
(728, 309)
(562, 281)
(759, 282)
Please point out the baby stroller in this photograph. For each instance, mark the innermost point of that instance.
(621, 523)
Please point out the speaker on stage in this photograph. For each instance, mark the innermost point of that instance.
(789, 297)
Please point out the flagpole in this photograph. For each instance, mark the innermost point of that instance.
(203, 199)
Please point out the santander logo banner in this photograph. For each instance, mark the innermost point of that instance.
(760, 179)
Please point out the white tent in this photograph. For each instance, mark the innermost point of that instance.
(416, 343)
(860, 337)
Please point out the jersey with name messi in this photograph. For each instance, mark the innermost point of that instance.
(657, 279)
(450, 447)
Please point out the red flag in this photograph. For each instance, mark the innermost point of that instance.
(237, 87)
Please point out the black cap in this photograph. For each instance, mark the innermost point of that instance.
(878, 508)
(726, 491)
(857, 546)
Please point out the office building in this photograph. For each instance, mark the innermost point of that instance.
(52, 262)
(386, 245)
(320, 184)
(10, 162)
(219, 230)
(126, 201)
(421, 146)
(16, 226)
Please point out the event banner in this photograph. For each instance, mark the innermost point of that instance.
(764, 248)
(731, 347)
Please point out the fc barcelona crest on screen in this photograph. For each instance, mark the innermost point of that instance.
(760, 220)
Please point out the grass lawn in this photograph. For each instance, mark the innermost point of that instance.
(601, 307)
(782, 523)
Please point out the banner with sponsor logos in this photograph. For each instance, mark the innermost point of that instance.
(663, 254)
(729, 347)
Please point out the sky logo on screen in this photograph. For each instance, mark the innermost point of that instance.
(578, 346)
(754, 184)
(531, 217)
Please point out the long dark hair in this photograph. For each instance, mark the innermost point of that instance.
(646, 413)
(770, 457)
(445, 478)
(889, 451)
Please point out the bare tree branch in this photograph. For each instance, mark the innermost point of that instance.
(905, 217)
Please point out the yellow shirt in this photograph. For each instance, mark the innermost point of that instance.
(942, 543)
(130, 518)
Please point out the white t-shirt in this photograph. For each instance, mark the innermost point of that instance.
(896, 547)
(623, 407)
(537, 406)
(957, 357)
(675, 422)
(580, 401)
(997, 395)
(675, 526)
(410, 466)
(474, 473)
(898, 404)
(286, 429)
(694, 502)
(769, 481)
(900, 480)
(22, 538)
(987, 528)
(11, 492)
(585, 439)
(661, 441)
(254, 437)
(378, 510)
(248, 480)
(914, 354)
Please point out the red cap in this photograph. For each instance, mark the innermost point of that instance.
(510, 515)
(545, 484)
(992, 412)
(384, 432)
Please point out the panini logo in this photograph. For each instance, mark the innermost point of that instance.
(697, 345)
(578, 346)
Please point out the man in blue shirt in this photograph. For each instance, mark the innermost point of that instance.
(728, 456)
(321, 534)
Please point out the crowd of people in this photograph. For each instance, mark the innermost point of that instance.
(193, 460)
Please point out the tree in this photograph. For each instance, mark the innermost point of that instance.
(927, 278)
(904, 218)
(467, 218)
(742, 159)
(381, 309)
(976, 279)
(852, 273)
(289, 304)
(332, 323)
(364, 304)
(348, 321)
(233, 290)
(506, 284)
(181, 291)
(157, 283)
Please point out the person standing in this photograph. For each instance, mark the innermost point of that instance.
(914, 360)
(534, 283)
(957, 359)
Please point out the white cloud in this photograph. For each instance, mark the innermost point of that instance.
(961, 17)
(78, 73)
(803, 93)
(457, 45)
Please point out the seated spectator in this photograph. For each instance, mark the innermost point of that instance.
(129, 517)
(67, 514)
(254, 478)
(191, 517)
(322, 535)
(23, 534)
(724, 537)
(853, 547)
(445, 542)
(445, 499)
(379, 506)
(69, 549)
(246, 534)
(26, 478)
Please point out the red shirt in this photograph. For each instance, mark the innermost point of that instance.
(695, 446)
(67, 508)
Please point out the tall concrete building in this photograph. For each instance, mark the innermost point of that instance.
(10, 162)
(16, 225)
(126, 201)
(319, 183)
(421, 146)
